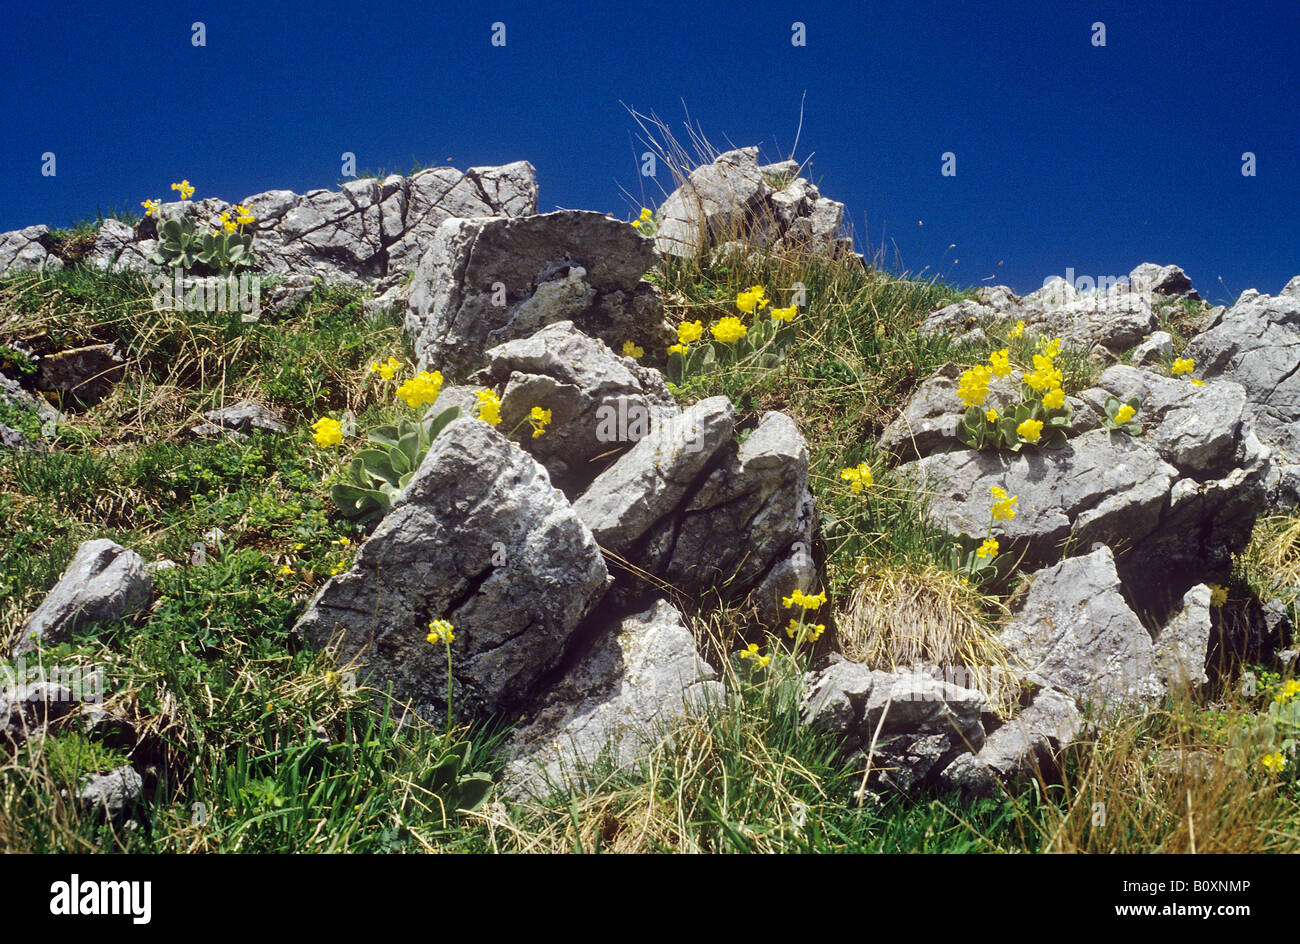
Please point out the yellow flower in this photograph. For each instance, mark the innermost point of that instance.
(1124, 414)
(423, 388)
(1055, 400)
(327, 432)
(633, 351)
(1273, 762)
(689, 332)
(150, 207)
(342, 542)
(336, 568)
(1003, 507)
(988, 549)
(285, 570)
(1050, 348)
(1045, 376)
(991, 415)
(1030, 430)
(646, 214)
(751, 651)
(1018, 330)
(1000, 363)
(860, 476)
(489, 407)
(729, 329)
(799, 598)
(678, 349)
(186, 191)
(227, 222)
(1195, 382)
(1184, 365)
(1218, 594)
(1289, 690)
(539, 419)
(388, 368)
(440, 631)
(244, 215)
(299, 546)
(784, 314)
(750, 301)
(973, 386)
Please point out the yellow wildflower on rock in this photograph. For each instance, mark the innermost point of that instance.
(678, 349)
(688, 332)
(1000, 363)
(1050, 347)
(1003, 506)
(440, 631)
(1273, 762)
(1045, 376)
(729, 329)
(1019, 330)
(751, 300)
(186, 191)
(243, 215)
(150, 207)
(973, 386)
(1184, 365)
(632, 350)
(327, 431)
(988, 549)
(784, 314)
(1054, 400)
(1195, 382)
(859, 476)
(1218, 594)
(489, 407)
(227, 223)
(646, 216)
(1030, 430)
(1124, 414)
(539, 419)
(423, 388)
(799, 598)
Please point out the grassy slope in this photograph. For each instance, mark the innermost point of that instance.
(257, 746)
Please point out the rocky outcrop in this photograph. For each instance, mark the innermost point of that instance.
(483, 282)
(614, 704)
(479, 538)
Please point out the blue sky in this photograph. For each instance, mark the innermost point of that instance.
(1068, 155)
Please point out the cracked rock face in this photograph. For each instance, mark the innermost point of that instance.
(480, 538)
(600, 402)
(638, 677)
(483, 282)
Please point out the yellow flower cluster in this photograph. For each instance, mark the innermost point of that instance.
(184, 188)
(539, 419)
(1124, 414)
(1003, 506)
(327, 432)
(633, 351)
(421, 389)
(988, 549)
(688, 332)
(991, 415)
(1273, 762)
(1055, 399)
(150, 207)
(1045, 376)
(1019, 330)
(799, 598)
(784, 314)
(1030, 430)
(489, 407)
(973, 385)
(752, 653)
(645, 216)
(729, 329)
(859, 476)
(751, 300)
(440, 631)
(1290, 690)
(813, 632)
(1184, 365)
(1000, 363)
(386, 369)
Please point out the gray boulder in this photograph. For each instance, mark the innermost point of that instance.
(239, 420)
(483, 282)
(25, 249)
(113, 794)
(1181, 646)
(1156, 348)
(652, 478)
(1072, 629)
(919, 724)
(105, 581)
(27, 709)
(637, 678)
(599, 400)
(480, 538)
(1168, 280)
(86, 372)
